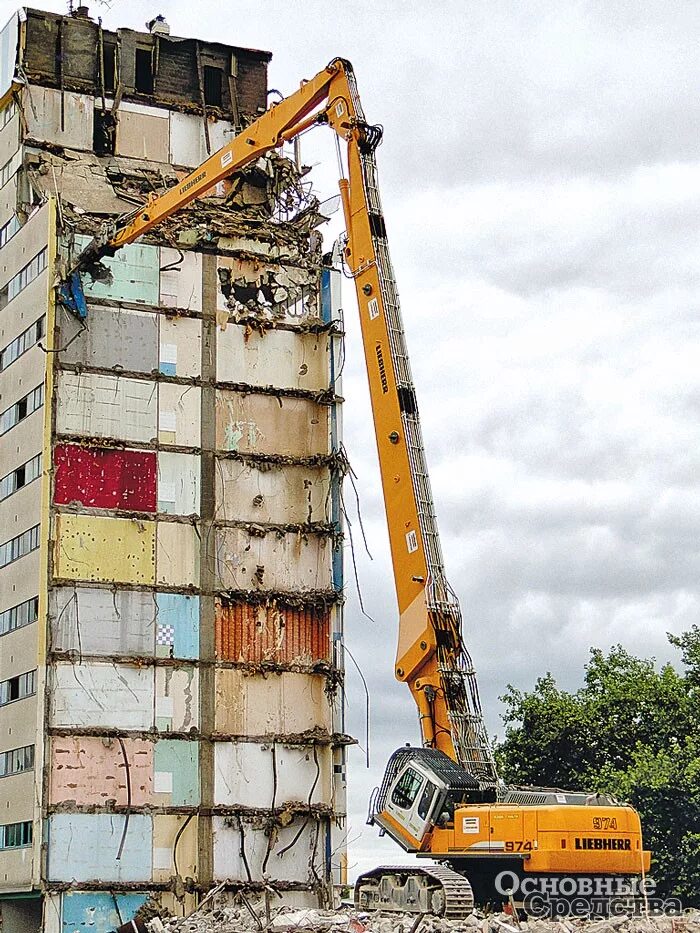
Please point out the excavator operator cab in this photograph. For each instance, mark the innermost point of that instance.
(420, 790)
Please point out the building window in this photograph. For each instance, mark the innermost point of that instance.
(24, 342)
(26, 275)
(9, 229)
(110, 67)
(212, 85)
(16, 761)
(22, 476)
(104, 132)
(9, 169)
(144, 71)
(17, 688)
(17, 547)
(7, 113)
(19, 616)
(21, 409)
(16, 835)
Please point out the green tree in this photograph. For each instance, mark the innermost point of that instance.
(631, 730)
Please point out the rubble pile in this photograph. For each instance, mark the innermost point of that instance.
(287, 920)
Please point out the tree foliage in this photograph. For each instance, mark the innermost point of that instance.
(631, 730)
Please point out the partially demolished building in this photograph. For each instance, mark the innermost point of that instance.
(171, 711)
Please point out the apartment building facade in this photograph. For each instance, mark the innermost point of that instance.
(171, 656)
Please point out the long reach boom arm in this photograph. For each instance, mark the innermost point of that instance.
(432, 658)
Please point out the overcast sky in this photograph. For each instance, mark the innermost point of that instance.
(541, 183)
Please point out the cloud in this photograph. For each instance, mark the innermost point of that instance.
(541, 183)
(545, 239)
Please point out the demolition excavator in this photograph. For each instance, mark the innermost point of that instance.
(442, 801)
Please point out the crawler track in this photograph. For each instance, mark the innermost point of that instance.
(434, 889)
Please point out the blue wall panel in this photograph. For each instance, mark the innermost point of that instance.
(84, 847)
(136, 274)
(177, 625)
(181, 759)
(95, 912)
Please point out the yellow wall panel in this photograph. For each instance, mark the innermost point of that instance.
(165, 831)
(109, 550)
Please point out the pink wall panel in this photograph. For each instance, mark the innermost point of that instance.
(90, 770)
(105, 479)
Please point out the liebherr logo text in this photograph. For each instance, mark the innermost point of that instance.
(192, 183)
(598, 842)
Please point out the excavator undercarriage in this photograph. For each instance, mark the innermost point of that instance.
(432, 890)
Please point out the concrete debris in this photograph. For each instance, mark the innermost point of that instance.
(90, 185)
(264, 213)
(284, 920)
(261, 294)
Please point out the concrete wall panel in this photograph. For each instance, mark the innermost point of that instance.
(17, 869)
(90, 770)
(187, 143)
(105, 479)
(181, 285)
(143, 133)
(276, 704)
(96, 621)
(244, 775)
(114, 337)
(106, 406)
(180, 346)
(177, 699)
(18, 790)
(105, 550)
(22, 442)
(91, 620)
(19, 729)
(177, 554)
(43, 113)
(102, 695)
(135, 274)
(268, 632)
(290, 561)
(265, 424)
(10, 137)
(8, 198)
(17, 252)
(179, 415)
(288, 494)
(70, 859)
(16, 650)
(95, 911)
(177, 625)
(166, 828)
(292, 865)
(178, 483)
(176, 773)
(281, 358)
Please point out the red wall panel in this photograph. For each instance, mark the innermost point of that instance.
(256, 633)
(105, 479)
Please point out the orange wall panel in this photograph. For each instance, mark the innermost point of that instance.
(270, 632)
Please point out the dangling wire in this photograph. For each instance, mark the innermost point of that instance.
(367, 698)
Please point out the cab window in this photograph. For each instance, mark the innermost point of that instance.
(406, 789)
(426, 800)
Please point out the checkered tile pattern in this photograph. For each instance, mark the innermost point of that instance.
(165, 635)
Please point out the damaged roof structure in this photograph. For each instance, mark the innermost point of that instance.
(171, 614)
